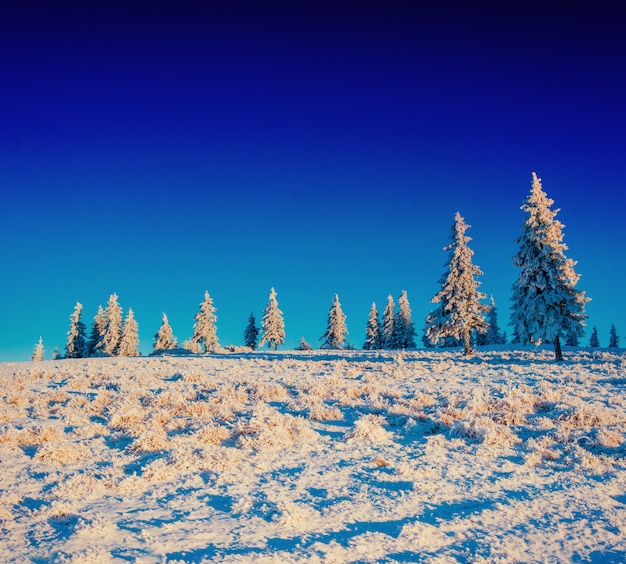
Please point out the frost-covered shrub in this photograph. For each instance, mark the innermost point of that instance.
(211, 434)
(62, 452)
(322, 412)
(150, 440)
(269, 429)
(370, 428)
(485, 430)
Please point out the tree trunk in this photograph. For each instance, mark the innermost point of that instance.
(558, 354)
(467, 349)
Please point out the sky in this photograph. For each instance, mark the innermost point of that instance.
(160, 150)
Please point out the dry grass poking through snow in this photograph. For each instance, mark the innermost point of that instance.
(315, 457)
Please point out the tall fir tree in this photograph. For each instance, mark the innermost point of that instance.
(403, 333)
(594, 341)
(387, 327)
(251, 334)
(76, 345)
(273, 325)
(613, 338)
(205, 328)
(113, 326)
(373, 338)
(38, 351)
(493, 335)
(546, 304)
(94, 344)
(336, 330)
(164, 339)
(129, 341)
(461, 311)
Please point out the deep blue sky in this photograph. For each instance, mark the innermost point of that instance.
(316, 147)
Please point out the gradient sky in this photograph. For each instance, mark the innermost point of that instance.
(316, 147)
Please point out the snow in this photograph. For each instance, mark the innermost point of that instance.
(347, 456)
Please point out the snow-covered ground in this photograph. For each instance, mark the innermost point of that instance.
(507, 456)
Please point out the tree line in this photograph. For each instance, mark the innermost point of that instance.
(546, 305)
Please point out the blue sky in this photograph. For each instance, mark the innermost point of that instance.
(319, 148)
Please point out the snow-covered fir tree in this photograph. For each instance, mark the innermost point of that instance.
(76, 345)
(251, 334)
(403, 332)
(164, 339)
(129, 341)
(38, 351)
(336, 329)
(303, 345)
(546, 304)
(94, 344)
(373, 337)
(461, 311)
(205, 328)
(112, 327)
(594, 340)
(387, 326)
(273, 325)
(493, 335)
(571, 340)
(613, 338)
(56, 354)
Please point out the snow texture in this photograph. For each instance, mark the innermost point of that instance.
(317, 456)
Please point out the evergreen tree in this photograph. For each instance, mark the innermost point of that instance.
(76, 344)
(336, 330)
(546, 305)
(387, 328)
(493, 336)
(164, 340)
(113, 327)
(594, 341)
(461, 311)
(273, 325)
(403, 332)
(129, 341)
(39, 351)
(94, 345)
(572, 340)
(304, 346)
(613, 338)
(251, 334)
(373, 337)
(56, 353)
(205, 328)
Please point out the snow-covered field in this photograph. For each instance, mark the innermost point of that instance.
(315, 457)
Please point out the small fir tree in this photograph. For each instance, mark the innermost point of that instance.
(594, 341)
(94, 345)
(613, 338)
(336, 330)
(251, 334)
(56, 354)
(373, 337)
(76, 345)
(546, 304)
(273, 325)
(113, 326)
(164, 340)
(403, 333)
(38, 351)
(493, 335)
(304, 346)
(387, 328)
(129, 341)
(461, 311)
(205, 328)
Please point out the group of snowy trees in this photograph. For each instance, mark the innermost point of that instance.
(546, 306)
(111, 333)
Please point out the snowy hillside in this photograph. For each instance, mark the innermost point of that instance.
(315, 457)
